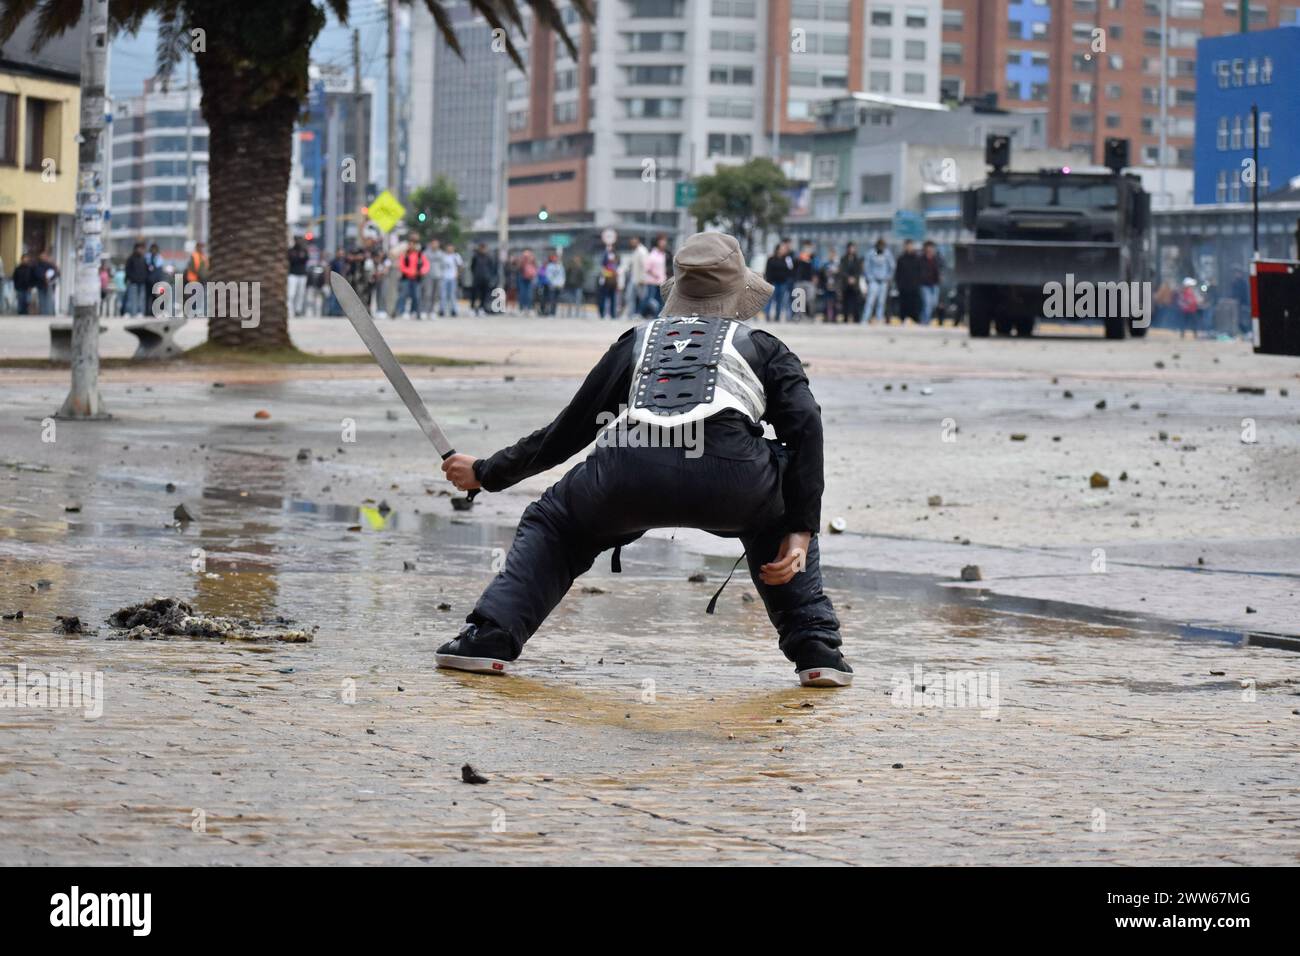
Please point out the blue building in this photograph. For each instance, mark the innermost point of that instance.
(1234, 73)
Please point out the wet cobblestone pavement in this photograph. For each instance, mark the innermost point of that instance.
(638, 730)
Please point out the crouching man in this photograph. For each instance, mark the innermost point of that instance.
(697, 365)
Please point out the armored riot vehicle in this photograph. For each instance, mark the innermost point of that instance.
(1055, 244)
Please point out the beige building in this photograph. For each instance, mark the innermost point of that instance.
(40, 114)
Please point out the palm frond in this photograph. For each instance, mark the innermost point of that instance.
(173, 38)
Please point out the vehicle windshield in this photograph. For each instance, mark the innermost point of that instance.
(1066, 195)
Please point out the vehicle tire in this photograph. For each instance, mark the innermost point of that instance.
(1003, 325)
(977, 313)
(1115, 327)
(1025, 327)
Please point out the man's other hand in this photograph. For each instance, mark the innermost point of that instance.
(789, 561)
(459, 470)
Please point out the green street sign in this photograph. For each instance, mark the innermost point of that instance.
(685, 194)
(561, 240)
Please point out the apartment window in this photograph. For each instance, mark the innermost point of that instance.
(1221, 187)
(882, 48)
(805, 10)
(566, 112)
(878, 81)
(1081, 122)
(1265, 130)
(1081, 32)
(733, 8)
(653, 108)
(733, 75)
(1236, 132)
(1081, 92)
(518, 120)
(826, 169)
(654, 75)
(915, 17)
(1112, 121)
(835, 11)
(1191, 9)
(913, 82)
(566, 80)
(1038, 92)
(836, 43)
(1151, 95)
(834, 80)
(914, 49)
(725, 108)
(1083, 63)
(1114, 91)
(803, 77)
(950, 88)
(1234, 189)
(1183, 96)
(1221, 134)
(882, 16)
(1115, 32)
(722, 40)
(950, 54)
(656, 8)
(663, 41)
(1085, 6)
(954, 19)
(34, 133)
(1116, 61)
(8, 129)
(877, 188)
(651, 144)
(733, 144)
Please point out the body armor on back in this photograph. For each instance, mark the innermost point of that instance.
(689, 368)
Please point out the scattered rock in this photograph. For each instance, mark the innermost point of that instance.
(161, 618)
(304, 454)
(42, 584)
(1067, 394)
(261, 414)
(1123, 476)
(170, 487)
(182, 514)
(408, 565)
(934, 501)
(699, 577)
(592, 589)
(1018, 436)
(444, 606)
(1250, 390)
(1250, 610)
(897, 766)
(390, 415)
(1098, 480)
(509, 378)
(745, 598)
(971, 572)
(1283, 392)
(1159, 364)
(69, 624)
(73, 507)
(469, 775)
(838, 526)
(1164, 436)
(13, 616)
(383, 508)
(927, 390)
(1101, 404)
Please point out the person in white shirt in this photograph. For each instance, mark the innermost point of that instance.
(450, 285)
(635, 277)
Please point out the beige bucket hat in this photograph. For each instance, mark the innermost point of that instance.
(710, 278)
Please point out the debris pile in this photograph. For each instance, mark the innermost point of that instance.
(161, 618)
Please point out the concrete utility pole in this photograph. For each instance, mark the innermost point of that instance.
(190, 234)
(361, 139)
(503, 174)
(83, 400)
(392, 182)
(332, 161)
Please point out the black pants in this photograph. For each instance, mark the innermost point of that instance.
(619, 493)
(909, 304)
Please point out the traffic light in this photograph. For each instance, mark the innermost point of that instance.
(422, 216)
(1116, 153)
(543, 215)
(997, 151)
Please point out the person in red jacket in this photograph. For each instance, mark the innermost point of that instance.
(414, 266)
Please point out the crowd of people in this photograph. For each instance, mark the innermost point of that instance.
(854, 287)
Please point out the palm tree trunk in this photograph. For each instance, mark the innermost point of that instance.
(249, 178)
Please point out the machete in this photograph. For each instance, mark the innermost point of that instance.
(360, 318)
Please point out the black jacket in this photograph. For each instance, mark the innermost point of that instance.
(909, 273)
(791, 410)
(482, 267)
(137, 270)
(25, 278)
(778, 268)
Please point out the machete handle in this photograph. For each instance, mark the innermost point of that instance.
(470, 495)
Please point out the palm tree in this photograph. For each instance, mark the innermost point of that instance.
(252, 60)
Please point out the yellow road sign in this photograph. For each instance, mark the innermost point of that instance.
(386, 211)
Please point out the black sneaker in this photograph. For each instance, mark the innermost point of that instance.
(820, 665)
(474, 652)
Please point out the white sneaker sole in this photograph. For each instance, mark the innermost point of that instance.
(825, 677)
(475, 665)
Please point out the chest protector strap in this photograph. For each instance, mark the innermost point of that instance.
(687, 369)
